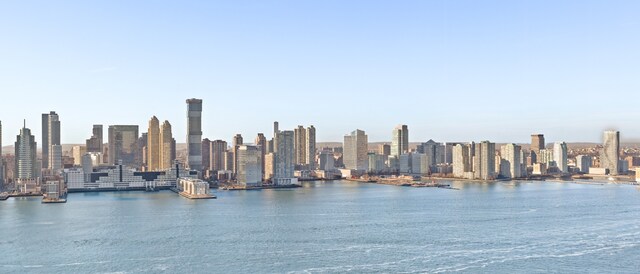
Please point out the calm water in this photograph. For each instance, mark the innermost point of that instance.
(331, 227)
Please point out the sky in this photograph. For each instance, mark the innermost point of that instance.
(450, 70)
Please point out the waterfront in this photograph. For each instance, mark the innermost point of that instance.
(332, 227)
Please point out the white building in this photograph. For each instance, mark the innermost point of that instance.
(285, 157)
(511, 153)
(560, 156)
(355, 150)
(249, 165)
(400, 140)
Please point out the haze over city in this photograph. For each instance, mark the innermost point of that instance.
(452, 70)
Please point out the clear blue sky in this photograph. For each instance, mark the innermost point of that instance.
(451, 70)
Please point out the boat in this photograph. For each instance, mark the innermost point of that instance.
(4, 196)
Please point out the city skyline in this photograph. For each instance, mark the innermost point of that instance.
(580, 57)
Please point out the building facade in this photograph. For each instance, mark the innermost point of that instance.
(610, 154)
(194, 134)
(400, 140)
(355, 150)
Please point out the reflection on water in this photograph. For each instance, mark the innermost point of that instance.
(334, 227)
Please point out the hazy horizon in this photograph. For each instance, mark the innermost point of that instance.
(450, 70)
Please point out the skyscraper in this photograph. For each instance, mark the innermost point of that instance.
(153, 144)
(310, 147)
(284, 158)
(583, 162)
(261, 142)
(249, 165)
(355, 150)
(400, 140)
(384, 149)
(50, 137)
(206, 154)
(560, 156)
(462, 161)
(25, 155)
(610, 154)
(484, 161)
(123, 141)
(95, 143)
(300, 145)
(167, 146)
(511, 153)
(537, 143)
(194, 134)
(237, 141)
(218, 149)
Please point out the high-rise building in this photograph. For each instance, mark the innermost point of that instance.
(50, 137)
(537, 143)
(462, 161)
(584, 162)
(141, 154)
(310, 147)
(194, 134)
(610, 154)
(206, 154)
(300, 144)
(284, 146)
(218, 149)
(95, 143)
(560, 156)
(153, 145)
(261, 142)
(400, 140)
(484, 161)
(269, 166)
(511, 154)
(25, 155)
(249, 165)
(384, 149)
(76, 153)
(167, 146)
(237, 141)
(355, 150)
(123, 141)
(326, 160)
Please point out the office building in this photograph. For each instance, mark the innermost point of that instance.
(50, 137)
(560, 156)
(537, 144)
(26, 167)
(55, 158)
(95, 143)
(284, 146)
(194, 134)
(153, 145)
(123, 146)
(400, 140)
(545, 156)
(610, 154)
(584, 162)
(249, 165)
(511, 163)
(167, 146)
(355, 150)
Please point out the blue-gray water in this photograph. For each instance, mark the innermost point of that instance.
(331, 227)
